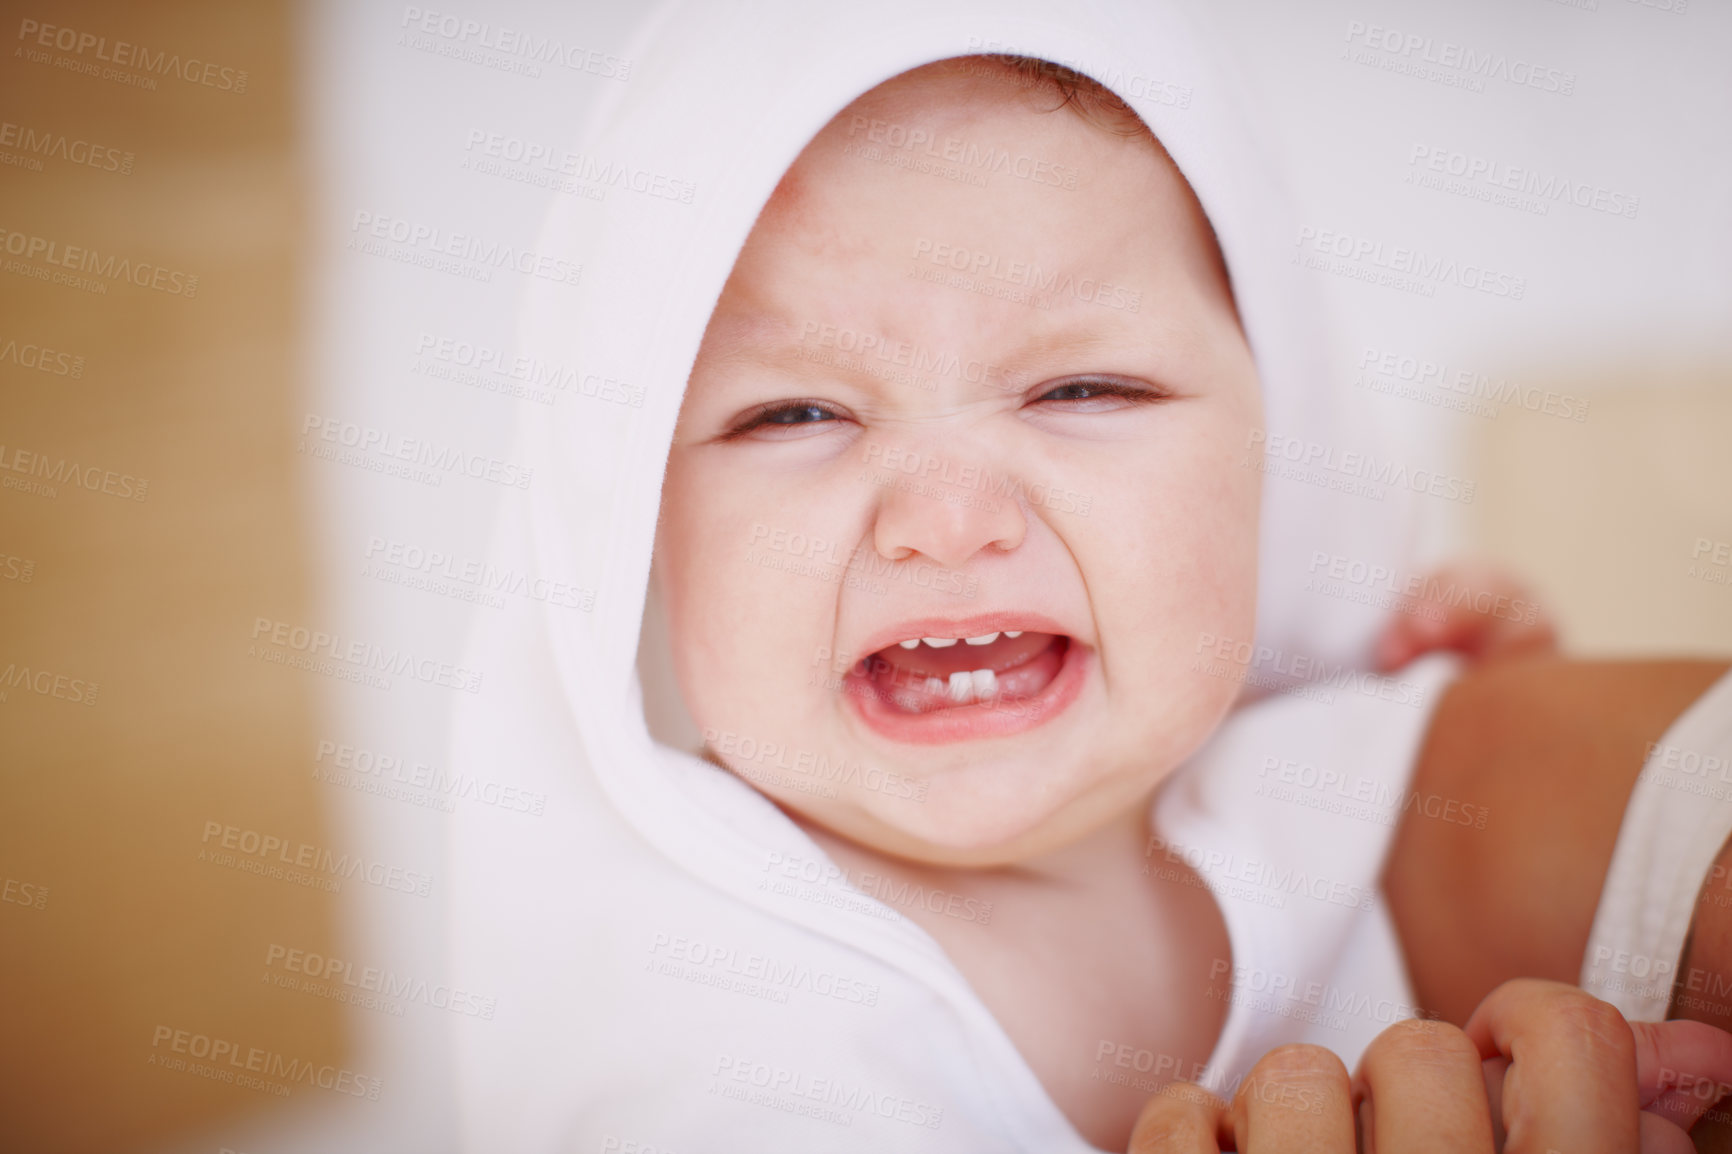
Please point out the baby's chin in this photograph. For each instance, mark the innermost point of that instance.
(1015, 799)
(992, 812)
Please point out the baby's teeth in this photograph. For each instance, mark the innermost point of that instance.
(983, 639)
(1013, 633)
(939, 642)
(911, 643)
(964, 686)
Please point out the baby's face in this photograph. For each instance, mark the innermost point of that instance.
(957, 483)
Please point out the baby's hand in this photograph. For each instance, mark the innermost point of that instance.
(1541, 1066)
(1473, 609)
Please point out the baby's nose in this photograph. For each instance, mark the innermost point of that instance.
(947, 513)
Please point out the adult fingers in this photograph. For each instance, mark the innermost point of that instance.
(1181, 1119)
(1682, 1068)
(1423, 1087)
(1571, 1084)
(1494, 1069)
(1296, 1100)
(1662, 1137)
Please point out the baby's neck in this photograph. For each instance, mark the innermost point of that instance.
(1077, 953)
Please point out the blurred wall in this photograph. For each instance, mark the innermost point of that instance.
(149, 515)
(1597, 192)
(1624, 520)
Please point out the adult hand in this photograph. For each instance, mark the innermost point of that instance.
(1541, 1066)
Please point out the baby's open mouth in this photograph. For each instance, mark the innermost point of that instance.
(927, 674)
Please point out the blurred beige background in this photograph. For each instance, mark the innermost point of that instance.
(104, 806)
(1617, 520)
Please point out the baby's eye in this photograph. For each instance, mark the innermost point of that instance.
(799, 414)
(782, 419)
(1106, 393)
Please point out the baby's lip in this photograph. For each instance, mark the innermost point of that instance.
(978, 625)
(900, 697)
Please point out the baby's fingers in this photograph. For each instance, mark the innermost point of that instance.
(1476, 610)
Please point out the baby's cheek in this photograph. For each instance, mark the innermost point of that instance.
(750, 636)
(1185, 578)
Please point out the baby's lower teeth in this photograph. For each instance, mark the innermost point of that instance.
(965, 686)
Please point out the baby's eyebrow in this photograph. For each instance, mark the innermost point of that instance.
(1047, 343)
(735, 336)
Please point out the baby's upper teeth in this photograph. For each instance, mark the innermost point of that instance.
(947, 642)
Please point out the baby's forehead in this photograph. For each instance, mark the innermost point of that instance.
(947, 94)
(957, 206)
(977, 123)
(961, 89)
(1005, 346)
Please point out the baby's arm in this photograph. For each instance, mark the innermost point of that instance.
(1550, 749)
